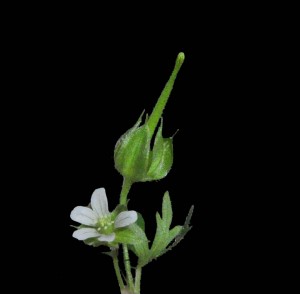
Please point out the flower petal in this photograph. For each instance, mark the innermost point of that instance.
(99, 202)
(84, 215)
(125, 218)
(107, 238)
(85, 233)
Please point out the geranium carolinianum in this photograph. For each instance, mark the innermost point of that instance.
(141, 154)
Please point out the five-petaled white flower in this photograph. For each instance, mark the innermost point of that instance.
(99, 220)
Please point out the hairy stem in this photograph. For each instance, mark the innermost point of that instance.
(128, 267)
(138, 276)
(123, 200)
(117, 270)
(125, 190)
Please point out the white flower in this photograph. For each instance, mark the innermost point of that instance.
(99, 220)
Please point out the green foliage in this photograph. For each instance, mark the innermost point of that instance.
(129, 235)
(141, 249)
(141, 222)
(179, 234)
(164, 235)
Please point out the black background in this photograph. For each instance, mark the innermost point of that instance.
(78, 84)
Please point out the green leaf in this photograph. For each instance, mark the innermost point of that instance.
(188, 218)
(184, 230)
(174, 233)
(164, 236)
(140, 222)
(161, 237)
(167, 212)
(141, 248)
(128, 235)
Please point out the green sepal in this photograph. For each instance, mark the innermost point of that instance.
(132, 153)
(94, 242)
(161, 156)
(120, 208)
(125, 136)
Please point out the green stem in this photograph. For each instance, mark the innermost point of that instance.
(128, 267)
(125, 190)
(138, 276)
(117, 270)
(163, 98)
(123, 200)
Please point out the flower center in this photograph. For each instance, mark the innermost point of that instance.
(105, 225)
